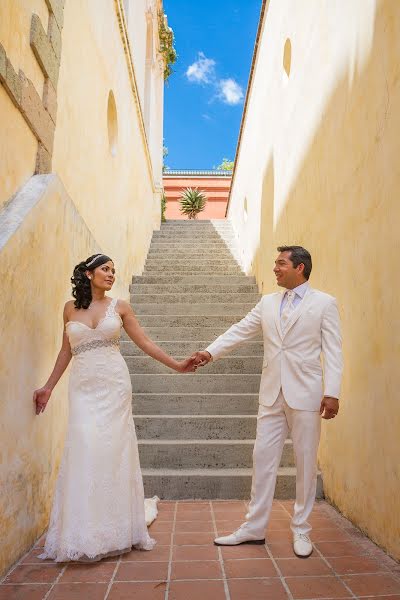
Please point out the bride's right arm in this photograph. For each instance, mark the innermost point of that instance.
(42, 395)
(138, 336)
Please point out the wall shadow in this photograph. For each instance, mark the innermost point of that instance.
(344, 207)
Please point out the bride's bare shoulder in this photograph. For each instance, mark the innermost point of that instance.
(123, 307)
(69, 309)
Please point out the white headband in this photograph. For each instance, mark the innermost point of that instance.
(94, 259)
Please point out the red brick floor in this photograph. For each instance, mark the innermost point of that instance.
(185, 565)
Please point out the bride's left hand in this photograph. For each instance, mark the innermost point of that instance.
(187, 366)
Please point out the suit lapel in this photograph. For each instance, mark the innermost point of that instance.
(277, 313)
(299, 310)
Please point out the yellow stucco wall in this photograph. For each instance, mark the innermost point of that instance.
(15, 26)
(95, 201)
(114, 194)
(35, 268)
(19, 141)
(319, 166)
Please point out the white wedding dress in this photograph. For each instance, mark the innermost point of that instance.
(98, 507)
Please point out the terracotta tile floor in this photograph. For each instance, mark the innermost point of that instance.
(186, 565)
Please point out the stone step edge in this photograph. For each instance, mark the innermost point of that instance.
(177, 417)
(241, 278)
(200, 442)
(162, 394)
(205, 304)
(235, 318)
(243, 281)
(138, 284)
(185, 296)
(224, 472)
(162, 260)
(209, 375)
(198, 342)
(182, 300)
(233, 356)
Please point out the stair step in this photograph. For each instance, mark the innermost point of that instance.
(164, 260)
(223, 484)
(198, 269)
(191, 235)
(171, 334)
(196, 236)
(203, 224)
(189, 383)
(190, 265)
(177, 300)
(191, 276)
(198, 427)
(195, 404)
(192, 246)
(205, 229)
(185, 348)
(190, 320)
(230, 365)
(193, 288)
(200, 309)
(195, 278)
(203, 454)
(179, 254)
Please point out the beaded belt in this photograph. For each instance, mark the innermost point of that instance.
(95, 344)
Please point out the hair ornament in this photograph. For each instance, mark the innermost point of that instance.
(94, 259)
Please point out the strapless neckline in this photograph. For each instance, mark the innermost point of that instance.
(87, 326)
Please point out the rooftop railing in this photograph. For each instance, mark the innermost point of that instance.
(196, 173)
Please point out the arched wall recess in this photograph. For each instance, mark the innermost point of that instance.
(287, 59)
(112, 124)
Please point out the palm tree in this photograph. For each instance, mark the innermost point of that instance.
(192, 201)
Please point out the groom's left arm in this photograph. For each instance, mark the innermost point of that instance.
(332, 351)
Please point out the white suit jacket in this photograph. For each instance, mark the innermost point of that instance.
(292, 361)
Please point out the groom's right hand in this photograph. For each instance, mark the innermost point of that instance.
(201, 358)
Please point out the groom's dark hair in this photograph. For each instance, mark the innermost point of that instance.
(299, 255)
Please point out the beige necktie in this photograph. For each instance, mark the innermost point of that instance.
(288, 309)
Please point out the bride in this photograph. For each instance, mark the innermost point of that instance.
(98, 507)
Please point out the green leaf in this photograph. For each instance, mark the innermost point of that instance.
(192, 202)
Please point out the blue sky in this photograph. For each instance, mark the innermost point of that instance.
(204, 96)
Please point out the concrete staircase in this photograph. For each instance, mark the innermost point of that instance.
(196, 431)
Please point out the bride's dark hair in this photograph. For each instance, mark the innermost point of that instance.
(81, 290)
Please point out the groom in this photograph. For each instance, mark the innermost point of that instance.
(297, 327)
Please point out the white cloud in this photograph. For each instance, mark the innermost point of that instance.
(202, 70)
(230, 91)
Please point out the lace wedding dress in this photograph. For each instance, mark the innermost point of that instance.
(98, 507)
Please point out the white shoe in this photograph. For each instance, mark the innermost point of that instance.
(302, 545)
(240, 536)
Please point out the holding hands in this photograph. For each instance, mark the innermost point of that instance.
(201, 358)
(190, 365)
(186, 366)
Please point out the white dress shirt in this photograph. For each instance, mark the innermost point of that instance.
(299, 293)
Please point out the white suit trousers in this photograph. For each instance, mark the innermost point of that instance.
(273, 424)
